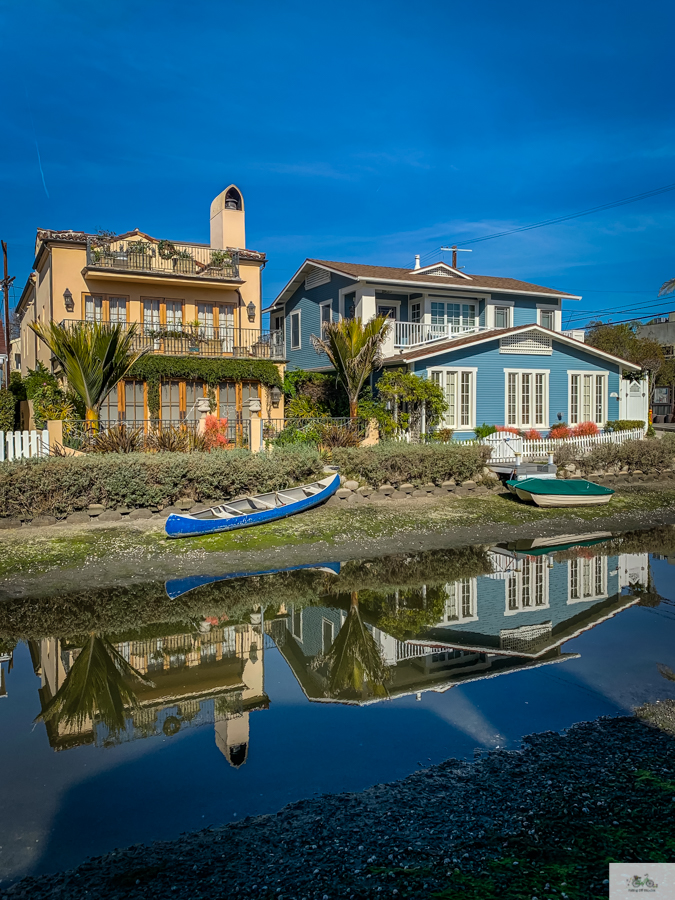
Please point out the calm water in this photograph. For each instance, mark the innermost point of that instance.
(166, 709)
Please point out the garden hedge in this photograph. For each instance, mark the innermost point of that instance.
(399, 463)
(647, 455)
(7, 405)
(61, 485)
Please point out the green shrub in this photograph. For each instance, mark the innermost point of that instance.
(624, 425)
(396, 463)
(7, 408)
(61, 485)
(643, 455)
(482, 431)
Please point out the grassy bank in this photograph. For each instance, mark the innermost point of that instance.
(142, 546)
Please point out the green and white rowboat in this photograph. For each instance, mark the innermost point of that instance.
(556, 492)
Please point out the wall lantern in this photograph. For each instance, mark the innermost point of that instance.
(68, 300)
(250, 309)
(275, 394)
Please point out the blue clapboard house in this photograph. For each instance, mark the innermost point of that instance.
(495, 345)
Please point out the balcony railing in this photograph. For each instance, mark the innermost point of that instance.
(162, 258)
(203, 340)
(413, 334)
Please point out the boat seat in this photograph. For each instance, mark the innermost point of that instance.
(285, 498)
(220, 512)
(310, 491)
(260, 504)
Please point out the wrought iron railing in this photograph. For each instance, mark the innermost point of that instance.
(162, 258)
(201, 340)
(182, 435)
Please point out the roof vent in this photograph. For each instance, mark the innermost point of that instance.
(316, 277)
(439, 270)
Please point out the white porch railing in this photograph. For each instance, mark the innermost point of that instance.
(23, 444)
(505, 445)
(411, 334)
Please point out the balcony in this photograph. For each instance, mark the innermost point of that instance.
(409, 335)
(164, 258)
(203, 340)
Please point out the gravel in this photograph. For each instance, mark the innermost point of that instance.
(408, 838)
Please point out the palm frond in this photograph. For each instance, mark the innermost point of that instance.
(354, 661)
(99, 684)
(94, 356)
(667, 287)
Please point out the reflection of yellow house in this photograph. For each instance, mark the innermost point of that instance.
(213, 677)
(190, 300)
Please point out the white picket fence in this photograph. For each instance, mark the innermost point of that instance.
(505, 446)
(23, 444)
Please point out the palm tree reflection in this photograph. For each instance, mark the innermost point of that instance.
(99, 684)
(353, 666)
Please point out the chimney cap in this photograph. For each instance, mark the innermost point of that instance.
(417, 260)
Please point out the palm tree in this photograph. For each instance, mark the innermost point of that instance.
(98, 683)
(354, 661)
(667, 287)
(355, 350)
(94, 357)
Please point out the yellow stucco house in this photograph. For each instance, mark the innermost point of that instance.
(198, 310)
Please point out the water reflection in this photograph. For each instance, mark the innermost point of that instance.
(192, 652)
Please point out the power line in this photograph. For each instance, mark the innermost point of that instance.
(586, 212)
(617, 321)
(612, 309)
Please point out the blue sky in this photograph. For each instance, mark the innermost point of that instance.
(366, 131)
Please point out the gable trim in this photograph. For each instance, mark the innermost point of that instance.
(440, 265)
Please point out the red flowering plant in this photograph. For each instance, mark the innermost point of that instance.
(215, 433)
(532, 435)
(560, 431)
(508, 428)
(585, 429)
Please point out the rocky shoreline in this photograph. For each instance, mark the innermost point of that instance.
(536, 822)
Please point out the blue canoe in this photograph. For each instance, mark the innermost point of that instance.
(255, 510)
(176, 587)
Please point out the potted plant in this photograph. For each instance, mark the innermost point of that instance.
(184, 263)
(138, 255)
(220, 259)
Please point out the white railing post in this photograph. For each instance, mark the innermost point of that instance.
(17, 445)
(2, 446)
(44, 449)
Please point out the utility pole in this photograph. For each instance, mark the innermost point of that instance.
(6, 282)
(455, 250)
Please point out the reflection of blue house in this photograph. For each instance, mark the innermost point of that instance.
(516, 617)
(495, 345)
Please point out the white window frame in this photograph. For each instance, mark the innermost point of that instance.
(523, 584)
(460, 618)
(329, 304)
(509, 315)
(455, 301)
(490, 310)
(324, 622)
(278, 317)
(293, 611)
(519, 398)
(458, 371)
(396, 303)
(298, 313)
(575, 418)
(554, 307)
(578, 564)
(342, 293)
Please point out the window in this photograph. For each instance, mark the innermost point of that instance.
(456, 317)
(587, 579)
(110, 407)
(174, 315)
(527, 398)
(170, 392)
(227, 401)
(390, 311)
(547, 319)
(326, 635)
(296, 624)
(278, 324)
(151, 315)
(460, 603)
(134, 401)
(326, 315)
(350, 305)
(295, 331)
(193, 390)
(502, 316)
(527, 588)
(459, 387)
(248, 391)
(93, 308)
(588, 397)
(416, 312)
(205, 319)
(117, 307)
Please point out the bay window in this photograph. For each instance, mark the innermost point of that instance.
(459, 387)
(527, 398)
(587, 397)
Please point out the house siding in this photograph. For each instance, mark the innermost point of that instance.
(308, 302)
(491, 383)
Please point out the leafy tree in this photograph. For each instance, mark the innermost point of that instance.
(623, 340)
(411, 396)
(99, 684)
(93, 357)
(355, 350)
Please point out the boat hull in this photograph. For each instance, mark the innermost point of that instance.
(555, 493)
(552, 500)
(178, 526)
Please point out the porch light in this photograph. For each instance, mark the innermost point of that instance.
(68, 300)
(275, 394)
(250, 309)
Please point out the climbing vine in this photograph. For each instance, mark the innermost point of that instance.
(152, 369)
